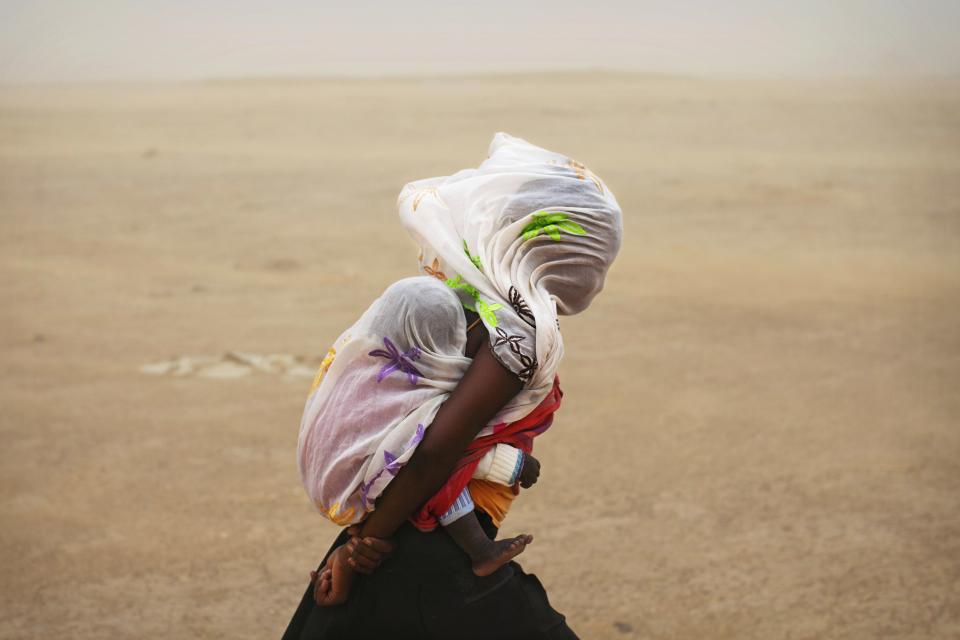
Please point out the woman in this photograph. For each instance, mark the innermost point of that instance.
(525, 237)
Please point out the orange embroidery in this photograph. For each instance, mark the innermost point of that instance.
(581, 171)
(434, 270)
(419, 195)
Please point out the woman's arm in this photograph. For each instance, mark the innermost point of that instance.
(485, 388)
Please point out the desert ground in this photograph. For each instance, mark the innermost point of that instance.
(760, 436)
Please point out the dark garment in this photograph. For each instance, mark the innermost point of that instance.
(428, 590)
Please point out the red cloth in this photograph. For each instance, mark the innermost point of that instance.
(519, 434)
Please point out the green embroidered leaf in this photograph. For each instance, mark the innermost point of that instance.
(474, 259)
(551, 223)
(572, 227)
(458, 283)
(485, 310)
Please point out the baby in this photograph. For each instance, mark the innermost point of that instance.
(364, 401)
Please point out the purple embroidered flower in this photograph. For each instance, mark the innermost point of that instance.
(365, 490)
(392, 465)
(416, 438)
(398, 361)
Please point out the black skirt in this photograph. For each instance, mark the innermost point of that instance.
(428, 590)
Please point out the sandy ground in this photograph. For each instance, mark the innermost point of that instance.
(761, 430)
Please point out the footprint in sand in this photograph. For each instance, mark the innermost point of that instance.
(234, 364)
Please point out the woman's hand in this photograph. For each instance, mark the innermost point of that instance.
(529, 472)
(366, 554)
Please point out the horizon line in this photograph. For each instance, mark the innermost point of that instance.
(481, 73)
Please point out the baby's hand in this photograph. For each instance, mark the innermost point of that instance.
(530, 471)
(332, 585)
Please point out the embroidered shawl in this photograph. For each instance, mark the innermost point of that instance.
(526, 235)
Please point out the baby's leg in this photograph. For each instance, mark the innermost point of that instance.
(487, 555)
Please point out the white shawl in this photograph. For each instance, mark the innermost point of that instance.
(526, 234)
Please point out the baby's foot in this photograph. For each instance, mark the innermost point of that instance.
(500, 553)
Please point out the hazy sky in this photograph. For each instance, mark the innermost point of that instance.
(71, 40)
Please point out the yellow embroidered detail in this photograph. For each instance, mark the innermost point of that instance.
(322, 371)
(340, 519)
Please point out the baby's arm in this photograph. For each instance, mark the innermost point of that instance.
(507, 465)
(333, 582)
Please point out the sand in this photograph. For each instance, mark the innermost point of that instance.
(761, 430)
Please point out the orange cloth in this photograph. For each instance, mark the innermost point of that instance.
(492, 498)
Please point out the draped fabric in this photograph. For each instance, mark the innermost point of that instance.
(378, 390)
(527, 235)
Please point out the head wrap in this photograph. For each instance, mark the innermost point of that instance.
(527, 234)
